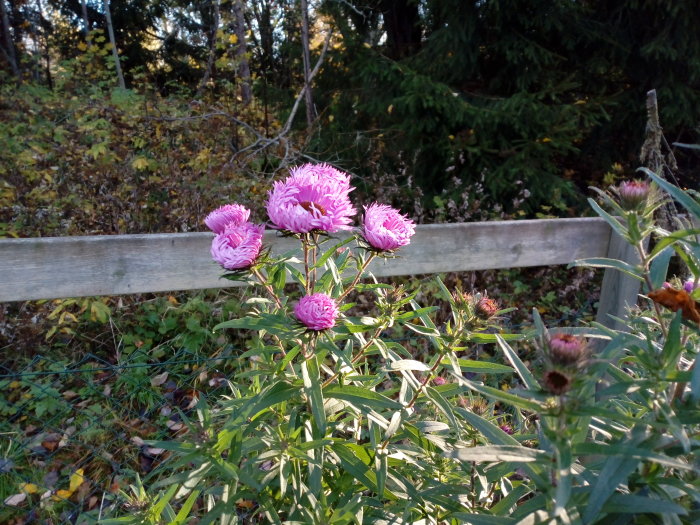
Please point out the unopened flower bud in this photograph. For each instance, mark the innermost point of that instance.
(689, 285)
(567, 349)
(486, 307)
(439, 381)
(557, 382)
(633, 194)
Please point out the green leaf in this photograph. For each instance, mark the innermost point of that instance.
(423, 330)
(672, 238)
(659, 267)
(331, 251)
(499, 395)
(603, 262)
(412, 314)
(479, 367)
(633, 504)
(695, 381)
(615, 471)
(351, 462)
(274, 324)
(504, 505)
(159, 506)
(185, 509)
(443, 405)
(490, 431)
(612, 221)
(408, 364)
(312, 385)
(624, 450)
(482, 519)
(563, 490)
(361, 397)
(682, 197)
(497, 453)
(481, 338)
(673, 345)
(525, 374)
(446, 295)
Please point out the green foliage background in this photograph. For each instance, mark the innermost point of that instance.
(451, 109)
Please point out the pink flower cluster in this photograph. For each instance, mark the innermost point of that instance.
(313, 198)
(238, 242)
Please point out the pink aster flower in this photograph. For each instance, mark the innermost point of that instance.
(385, 228)
(317, 311)
(689, 285)
(313, 197)
(227, 214)
(238, 246)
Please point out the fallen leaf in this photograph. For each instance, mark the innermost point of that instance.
(28, 488)
(676, 300)
(6, 465)
(15, 500)
(62, 495)
(76, 480)
(50, 444)
(245, 504)
(159, 379)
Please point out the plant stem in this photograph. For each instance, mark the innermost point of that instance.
(305, 244)
(359, 354)
(267, 286)
(361, 271)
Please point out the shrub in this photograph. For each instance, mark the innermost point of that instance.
(329, 420)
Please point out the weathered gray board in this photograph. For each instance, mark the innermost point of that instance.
(54, 267)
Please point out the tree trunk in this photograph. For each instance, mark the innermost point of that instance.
(308, 95)
(113, 41)
(9, 46)
(402, 24)
(47, 53)
(212, 51)
(86, 21)
(241, 57)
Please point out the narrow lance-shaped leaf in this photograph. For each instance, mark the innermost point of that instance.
(525, 374)
(682, 197)
(603, 262)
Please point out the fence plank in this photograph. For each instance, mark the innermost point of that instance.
(54, 267)
(618, 291)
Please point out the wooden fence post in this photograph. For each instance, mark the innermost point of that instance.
(619, 291)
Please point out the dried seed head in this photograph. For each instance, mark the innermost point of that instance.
(486, 308)
(556, 382)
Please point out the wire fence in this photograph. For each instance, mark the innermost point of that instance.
(75, 433)
(72, 437)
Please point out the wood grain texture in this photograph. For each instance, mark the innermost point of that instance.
(618, 291)
(54, 267)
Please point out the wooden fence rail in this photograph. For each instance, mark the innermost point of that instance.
(55, 267)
